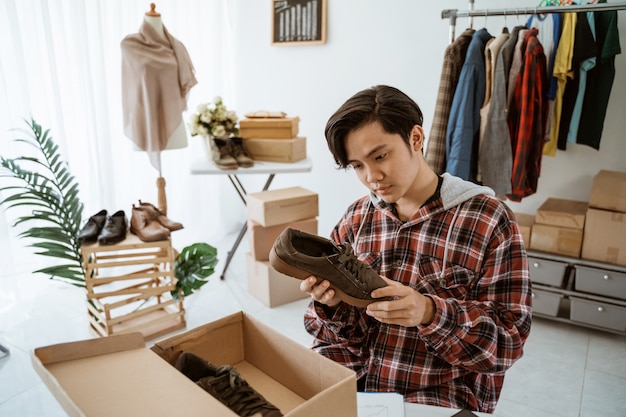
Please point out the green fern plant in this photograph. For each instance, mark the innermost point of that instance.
(45, 183)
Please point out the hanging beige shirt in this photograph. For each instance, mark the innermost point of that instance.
(157, 74)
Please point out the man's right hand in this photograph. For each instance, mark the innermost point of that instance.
(320, 292)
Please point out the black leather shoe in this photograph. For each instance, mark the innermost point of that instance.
(114, 229)
(91, 229)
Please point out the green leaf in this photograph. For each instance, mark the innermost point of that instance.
(192, 266)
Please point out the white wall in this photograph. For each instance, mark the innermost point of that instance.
(400, 43)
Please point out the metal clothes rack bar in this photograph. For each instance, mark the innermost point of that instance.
(452, 14)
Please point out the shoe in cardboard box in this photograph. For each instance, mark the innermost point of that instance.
(119, 376)
(284, 205)
(562, 213)
(553, 239)
(608, 191)
(270, 286)
(525, 223)
(277, 150)
(272, 127)
(605, 233)
(262, 238)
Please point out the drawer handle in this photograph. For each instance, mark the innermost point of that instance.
(606, 277)
(600, 309)
(536, 265)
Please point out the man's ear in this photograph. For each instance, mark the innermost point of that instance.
(417, 138)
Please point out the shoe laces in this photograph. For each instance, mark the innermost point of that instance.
(235, 392)
(350, 262)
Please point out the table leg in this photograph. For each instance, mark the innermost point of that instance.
(242, 192)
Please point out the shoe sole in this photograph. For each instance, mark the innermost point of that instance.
(284, 268)
(145, 238)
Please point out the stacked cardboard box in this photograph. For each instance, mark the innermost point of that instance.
(273, 139)
(558, 227)
(606, 219)
(525, 223)
(269, 213)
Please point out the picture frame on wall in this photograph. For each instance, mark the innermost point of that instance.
(298, 22)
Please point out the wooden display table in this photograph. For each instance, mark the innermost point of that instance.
(128, 288)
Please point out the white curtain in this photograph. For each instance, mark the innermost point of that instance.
(60, 63)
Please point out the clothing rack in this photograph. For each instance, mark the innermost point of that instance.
(452, 14)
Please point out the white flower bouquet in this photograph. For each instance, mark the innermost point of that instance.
(214, 119)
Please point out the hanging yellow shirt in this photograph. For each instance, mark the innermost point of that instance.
(562, 71)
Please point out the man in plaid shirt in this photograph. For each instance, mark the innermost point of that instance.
(451, 252)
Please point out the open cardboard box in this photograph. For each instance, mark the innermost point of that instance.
(119, 376)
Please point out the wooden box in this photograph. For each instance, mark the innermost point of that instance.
(269, 128)
(128, 288)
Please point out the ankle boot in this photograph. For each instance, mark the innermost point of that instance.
(222, 153)
(155, 214)
(241, 154)
(146, 228)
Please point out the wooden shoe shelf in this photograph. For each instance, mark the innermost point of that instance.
(128, 288)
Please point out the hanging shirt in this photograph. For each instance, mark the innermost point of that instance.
(585, 66)
(584, 48)
(486, 138)
(599, 80)
(529, 107)
(453, 60)
(494, 155)
(562, 71)
(516, 65)
(549, 27)
(157, 74)
(464, 123)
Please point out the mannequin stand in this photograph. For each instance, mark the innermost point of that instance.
(162, 198)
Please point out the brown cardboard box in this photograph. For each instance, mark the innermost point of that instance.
(562, 213)
(605, 237)
(553, 239)
(525, 224)
(270, 286)
(277, 150)
(609, 191)
(272, 207)
(262, 238)
(118, 376)
(274, 127)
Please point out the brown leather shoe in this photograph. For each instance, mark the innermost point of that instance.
(222, 153)
(155, 214)
(300, 255)
(114, 229)
(147, 229)
(240, 153)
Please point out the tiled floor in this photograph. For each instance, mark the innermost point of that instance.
(566, 371)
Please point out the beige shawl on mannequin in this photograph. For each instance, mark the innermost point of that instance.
(157, 74)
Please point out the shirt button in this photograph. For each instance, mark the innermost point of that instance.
(443, 282)
(426, 338)
(399, 262)
(376, 362)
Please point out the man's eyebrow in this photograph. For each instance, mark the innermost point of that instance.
(370, 153)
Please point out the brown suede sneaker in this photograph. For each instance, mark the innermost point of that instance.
(300, 255)
(225, 384)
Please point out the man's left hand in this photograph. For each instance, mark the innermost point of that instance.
(405, 307)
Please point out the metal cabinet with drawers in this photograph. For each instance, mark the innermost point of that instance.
(577, 291)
